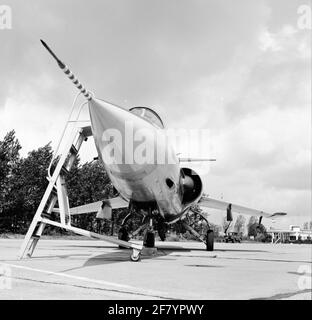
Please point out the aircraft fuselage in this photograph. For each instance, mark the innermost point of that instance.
(140, 162)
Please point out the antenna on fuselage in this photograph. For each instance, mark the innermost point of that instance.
(69, 74)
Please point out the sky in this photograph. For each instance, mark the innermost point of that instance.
(239, 69)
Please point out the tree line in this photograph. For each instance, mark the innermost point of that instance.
(23, 182)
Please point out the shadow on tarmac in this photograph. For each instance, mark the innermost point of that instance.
(123, 255)
(172, 248)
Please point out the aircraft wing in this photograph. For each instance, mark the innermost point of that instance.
(230, 207)
(113, 203)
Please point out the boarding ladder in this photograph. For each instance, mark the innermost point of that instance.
(55, 199)
(55, 192)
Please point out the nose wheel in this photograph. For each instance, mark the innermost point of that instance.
(136, 255)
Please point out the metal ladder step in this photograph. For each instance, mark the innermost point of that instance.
(64, 171)
(73, 150)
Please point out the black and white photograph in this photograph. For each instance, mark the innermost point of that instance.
(155, 150)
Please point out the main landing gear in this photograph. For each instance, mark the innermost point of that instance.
(149, 235)
(209, 239)
(149, 239)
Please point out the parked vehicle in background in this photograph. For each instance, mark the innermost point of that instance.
(233, 237)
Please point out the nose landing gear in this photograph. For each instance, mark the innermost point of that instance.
(148, 240)
(135, 256)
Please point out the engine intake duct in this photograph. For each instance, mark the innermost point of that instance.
(191, 185)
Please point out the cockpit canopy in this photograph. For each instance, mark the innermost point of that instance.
(149, 115)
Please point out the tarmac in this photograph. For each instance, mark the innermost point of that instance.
(91, 269)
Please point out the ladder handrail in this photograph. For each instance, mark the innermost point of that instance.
(54, 156)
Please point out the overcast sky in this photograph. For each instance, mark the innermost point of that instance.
(241, 69)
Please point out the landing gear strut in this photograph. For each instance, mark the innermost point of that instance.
(149, 237)
(208, 239)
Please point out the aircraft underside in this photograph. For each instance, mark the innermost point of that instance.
(153, 222)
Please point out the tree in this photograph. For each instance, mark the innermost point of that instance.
(9, 155)
(28, 183)
(258, 232)
(9, 160)
(251, 222)
(239, 226)
(216, 229)
(90, 183)
(225, 224)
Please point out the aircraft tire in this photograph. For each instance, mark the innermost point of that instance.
(149, 239)
(135, 258)
(209, 240)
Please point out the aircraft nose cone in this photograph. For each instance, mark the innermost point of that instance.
(108, 128)
(113, 131)
(105, 116)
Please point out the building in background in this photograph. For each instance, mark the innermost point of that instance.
(293, 234)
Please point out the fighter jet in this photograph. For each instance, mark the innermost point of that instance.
(152, 181)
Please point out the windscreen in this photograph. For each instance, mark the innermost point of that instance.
(149, 115)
